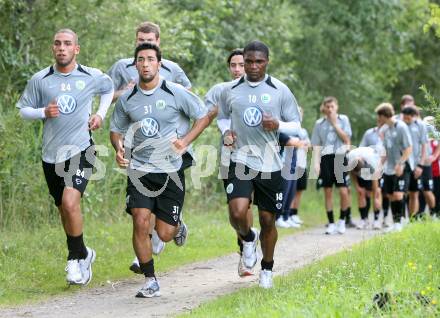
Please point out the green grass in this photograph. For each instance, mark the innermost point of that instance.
(32, 261)
(343, 285)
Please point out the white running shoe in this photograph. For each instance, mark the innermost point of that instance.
(377, 225)
(157, 244)
(293, 224)
(341, 226)
(74, 276)
(296, 219)
(387, 224)
(398, 227)
(362, 225)
(243, 271)
(282, 224)
(266, 280)
(181, 235)
(404, 221)
(331, 229)
(86, 266)
(150, 289)
(390, 228)
(249, 253)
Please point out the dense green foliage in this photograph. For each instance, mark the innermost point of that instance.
(363, 52)
(404, 266)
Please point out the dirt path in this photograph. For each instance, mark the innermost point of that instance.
(188, 286)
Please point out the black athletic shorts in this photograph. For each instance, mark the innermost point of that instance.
(424, 182)
(301, 183)
(366, 184)
(76, 174)
(267, 187)
(158, 193)
(187, 161)
(392, 183)
(327, 177)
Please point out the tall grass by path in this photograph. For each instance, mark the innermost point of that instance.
(404, 266)
(32, 260)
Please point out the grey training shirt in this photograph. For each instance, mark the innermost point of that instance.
(396, 139)
(150, 120)
(244, 103)
(419, 136)
(124, 71)
(324, 135)
(74, 94)
(371, 138)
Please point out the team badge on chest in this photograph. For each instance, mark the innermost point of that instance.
(150, 127)
(252, 116)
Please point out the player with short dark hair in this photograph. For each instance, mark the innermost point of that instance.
(61, 95)
(125, 76)
(258, 106)
(399, 164)
(421, 176)
(144, 134)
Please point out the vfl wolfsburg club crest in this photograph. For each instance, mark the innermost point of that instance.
(160, 104)
(150, 127)
(66, 104)
(252, 116)
(80, 85)
(265, 98)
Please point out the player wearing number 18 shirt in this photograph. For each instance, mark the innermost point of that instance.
(259, 106)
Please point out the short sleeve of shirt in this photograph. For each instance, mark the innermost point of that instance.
(289, 106)
(212, 96)
(120, 120)
(223, 108)
(181, 78)
(424, 132)
(364, 140)
(191, 104)
(103, 83)
(115, 74)
(406, 139)
(346, 125)
(316, 140)
(31, 96)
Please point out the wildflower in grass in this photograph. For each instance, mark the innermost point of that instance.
(410, 264)
(430, 267)
(423, 292)
(434, 302)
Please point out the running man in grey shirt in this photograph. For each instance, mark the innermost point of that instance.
(61, 95)
(258, 106)
(124, 73)
(125, 76)
(152, 150)
(330, 140)
(398, 165)
(235, 64)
